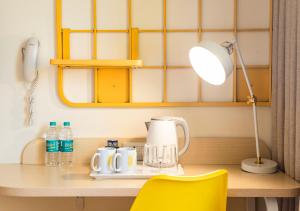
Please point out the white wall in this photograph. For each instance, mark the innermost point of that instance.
(20, 19)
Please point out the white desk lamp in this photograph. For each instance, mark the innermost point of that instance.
(213, 64)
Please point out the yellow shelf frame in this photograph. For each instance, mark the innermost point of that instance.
(69, 63)
(161, 104)
(64, 62)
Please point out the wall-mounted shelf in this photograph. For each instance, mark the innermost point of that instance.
(97, 63)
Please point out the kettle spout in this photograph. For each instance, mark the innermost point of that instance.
(147, 125)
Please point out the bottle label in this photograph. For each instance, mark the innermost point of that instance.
(52, 146)
(66, 146)
(59, 145)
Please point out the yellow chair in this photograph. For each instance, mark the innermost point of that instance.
(191, 193)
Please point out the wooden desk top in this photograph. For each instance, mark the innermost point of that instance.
(40, 181)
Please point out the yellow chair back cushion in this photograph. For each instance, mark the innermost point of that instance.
(171, 193)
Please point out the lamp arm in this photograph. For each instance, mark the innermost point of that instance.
(252, 100)
(243, 68)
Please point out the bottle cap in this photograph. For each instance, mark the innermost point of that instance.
(67, 124)
(52, 124)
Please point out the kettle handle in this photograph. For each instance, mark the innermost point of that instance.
(181, 122)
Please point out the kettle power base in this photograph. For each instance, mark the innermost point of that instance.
(141, 172)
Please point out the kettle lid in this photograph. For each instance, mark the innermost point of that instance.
(163, 118)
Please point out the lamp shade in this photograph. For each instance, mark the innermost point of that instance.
(211, 62)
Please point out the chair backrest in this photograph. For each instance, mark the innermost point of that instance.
(206, 192)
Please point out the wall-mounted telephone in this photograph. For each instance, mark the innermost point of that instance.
(30, 72)
(30, 55)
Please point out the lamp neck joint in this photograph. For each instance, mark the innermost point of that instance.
(229, 46)
(251, 99)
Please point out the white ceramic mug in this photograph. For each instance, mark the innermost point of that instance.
(104, 163)
(125, 160)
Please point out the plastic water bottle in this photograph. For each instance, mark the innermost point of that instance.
(52, 146)
(66, 145)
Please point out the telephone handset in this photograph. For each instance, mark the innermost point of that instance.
(30, 56)
(30, 72)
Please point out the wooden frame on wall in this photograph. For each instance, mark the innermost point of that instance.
(257, 72)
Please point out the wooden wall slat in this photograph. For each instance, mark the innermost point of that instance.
(201, 150)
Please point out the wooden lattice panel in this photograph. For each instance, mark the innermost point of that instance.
(160, 32)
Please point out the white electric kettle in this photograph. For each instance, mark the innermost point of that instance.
(162, 132)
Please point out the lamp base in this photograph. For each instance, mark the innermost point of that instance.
(266, 167)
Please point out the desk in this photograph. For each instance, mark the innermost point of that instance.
(204, 155)
(40, 181)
